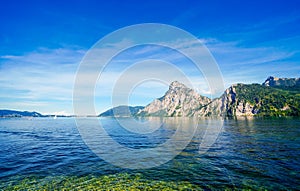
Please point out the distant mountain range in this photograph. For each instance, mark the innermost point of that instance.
(275, 97)
(5, 113)
(13, 113)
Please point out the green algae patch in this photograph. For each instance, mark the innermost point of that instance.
(107, 182)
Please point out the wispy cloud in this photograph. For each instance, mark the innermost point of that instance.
(41, 78)
(249, 64)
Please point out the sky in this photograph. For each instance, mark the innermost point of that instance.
(44, 42)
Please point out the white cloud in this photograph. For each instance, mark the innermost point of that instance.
(43, 77)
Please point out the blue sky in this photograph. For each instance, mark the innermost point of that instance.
(43, 42)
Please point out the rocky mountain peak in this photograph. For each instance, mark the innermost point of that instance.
(269, 81)
(176, 84)
(287, 82)
(179, 100)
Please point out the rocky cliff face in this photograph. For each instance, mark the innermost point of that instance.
(231, 104)
(287, 82)
(179, 100)
(256, 99)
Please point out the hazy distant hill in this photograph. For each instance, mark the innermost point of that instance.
(121, 111)
(13, 113)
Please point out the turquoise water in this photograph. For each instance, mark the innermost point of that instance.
(248, 153)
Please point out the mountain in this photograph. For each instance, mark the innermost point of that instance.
(13, 113)
(179, 100)
(237, 100)
(121, 111)
(287, 82)
(291, 84)
(259, 100)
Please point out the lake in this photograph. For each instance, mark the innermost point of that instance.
(247, 153)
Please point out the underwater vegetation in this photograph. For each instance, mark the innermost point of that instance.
(122, 181)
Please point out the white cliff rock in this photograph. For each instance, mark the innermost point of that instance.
(179, 100)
